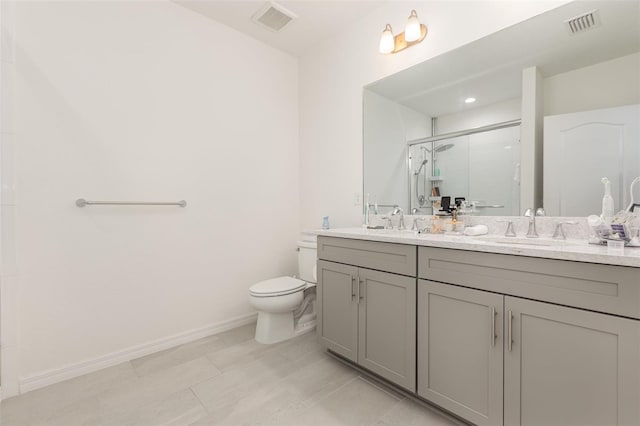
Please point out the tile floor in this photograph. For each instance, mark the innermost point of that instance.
(227, 379)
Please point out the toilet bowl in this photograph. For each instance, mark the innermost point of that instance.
(285, 305)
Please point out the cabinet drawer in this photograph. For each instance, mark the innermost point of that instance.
(388, 257)
(603, 288)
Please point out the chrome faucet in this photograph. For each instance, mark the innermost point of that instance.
(416, 225)
(388, 224)
(558, 234)
(398, 210)
(531, 233)
(510, 232)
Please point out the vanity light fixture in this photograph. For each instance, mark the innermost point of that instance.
(413, 33)
(469, 100)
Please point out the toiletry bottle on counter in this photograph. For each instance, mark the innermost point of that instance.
(458, 221)
(600, 230)
(325, 222)
(607, 202)
(436, 225)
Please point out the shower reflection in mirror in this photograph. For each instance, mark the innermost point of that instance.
(482, 165)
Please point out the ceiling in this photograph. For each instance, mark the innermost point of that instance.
(317, 20)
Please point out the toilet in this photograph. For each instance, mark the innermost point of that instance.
(285, 305)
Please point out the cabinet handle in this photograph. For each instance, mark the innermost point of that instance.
(493, 326)
(510, 331)
(360, 290)
(353, 287)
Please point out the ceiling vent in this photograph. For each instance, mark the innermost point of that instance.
(583, 22)
(273, 16)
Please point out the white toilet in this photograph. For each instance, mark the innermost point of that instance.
(285, 305)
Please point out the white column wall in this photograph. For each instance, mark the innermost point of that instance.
(9, 279)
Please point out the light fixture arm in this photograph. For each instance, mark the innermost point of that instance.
(401, 43)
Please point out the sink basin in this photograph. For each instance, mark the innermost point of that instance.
(544, 242)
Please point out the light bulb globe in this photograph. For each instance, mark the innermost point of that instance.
(387, 41)
(412, 31)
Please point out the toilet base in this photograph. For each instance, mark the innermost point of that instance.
(277, 327)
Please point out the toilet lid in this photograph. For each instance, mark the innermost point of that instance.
(277, 287)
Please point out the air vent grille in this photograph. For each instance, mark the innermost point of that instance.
(584, 22)
(273, 16)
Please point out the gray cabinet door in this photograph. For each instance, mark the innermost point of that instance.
(337, 309)
(460, 351)
(566, 366)
(387, 326)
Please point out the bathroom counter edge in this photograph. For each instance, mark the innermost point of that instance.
(577, 251)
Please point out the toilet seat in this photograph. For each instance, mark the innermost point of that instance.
(280, 286)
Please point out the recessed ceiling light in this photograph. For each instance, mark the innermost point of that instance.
(469, 100)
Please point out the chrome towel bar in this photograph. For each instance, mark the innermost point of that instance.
(81, 202)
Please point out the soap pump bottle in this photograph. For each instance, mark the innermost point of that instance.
(325, 222)
(607, 202)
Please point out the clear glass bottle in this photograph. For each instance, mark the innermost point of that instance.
(436, 225)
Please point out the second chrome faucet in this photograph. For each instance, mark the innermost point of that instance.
(398, 210)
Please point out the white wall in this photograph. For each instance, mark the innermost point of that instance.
(388, 126)
(145, 101)
(9, 281)
(332, 76)
(604, 85)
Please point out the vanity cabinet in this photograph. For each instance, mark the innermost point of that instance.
(495, 359)
(366, 315)
(495, 339)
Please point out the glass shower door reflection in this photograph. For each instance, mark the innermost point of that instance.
(494, 172)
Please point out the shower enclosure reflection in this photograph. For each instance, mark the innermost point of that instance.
(406, 165)
(483, 167)
(427, 193)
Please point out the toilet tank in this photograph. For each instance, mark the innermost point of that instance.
(307, 255)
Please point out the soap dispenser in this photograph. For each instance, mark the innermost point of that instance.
(607, 202)
(325, 222)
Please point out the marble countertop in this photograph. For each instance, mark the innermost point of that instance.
(573, 250)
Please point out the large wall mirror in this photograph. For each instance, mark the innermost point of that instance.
(557, 108)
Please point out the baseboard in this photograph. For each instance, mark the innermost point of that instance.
(70, 371)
